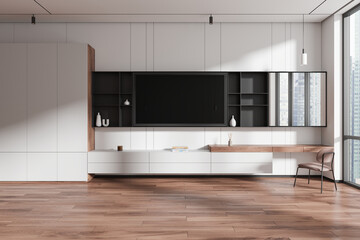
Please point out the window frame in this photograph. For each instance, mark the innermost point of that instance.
(346, 137)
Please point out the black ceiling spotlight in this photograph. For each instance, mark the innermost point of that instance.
(33, 19)
(211, 19)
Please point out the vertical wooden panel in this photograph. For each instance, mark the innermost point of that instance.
(91, 68)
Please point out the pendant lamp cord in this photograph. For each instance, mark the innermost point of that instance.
(303, 33)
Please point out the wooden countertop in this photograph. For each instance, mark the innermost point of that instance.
(269, 148)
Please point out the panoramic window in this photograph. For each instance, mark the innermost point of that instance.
(352, 96)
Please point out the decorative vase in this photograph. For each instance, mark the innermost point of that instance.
(229, 143)
(98, 120)
(105, 122)
(127, 102)
(232, 121)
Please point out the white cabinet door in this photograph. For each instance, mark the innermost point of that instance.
(246, 47)
(72, 97)
(179, 47)
(13, 97)
(138, 46)
(72, 167)
(13, 167)
(42, 166)
(42, 97)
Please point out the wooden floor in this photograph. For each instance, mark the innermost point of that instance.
(179, 208)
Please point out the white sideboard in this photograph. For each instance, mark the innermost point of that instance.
(167, 162)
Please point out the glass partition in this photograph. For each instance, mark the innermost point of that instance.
(297, 99)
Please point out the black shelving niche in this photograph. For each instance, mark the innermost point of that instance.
(234, 97)
(247, 95)
(109, 92)
(254, 99)
(126, 93)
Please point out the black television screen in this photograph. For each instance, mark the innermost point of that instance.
(180, 99)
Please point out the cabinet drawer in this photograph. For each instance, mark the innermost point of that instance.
(249, 168)
(191, 168)
(117, 168)
(241, 157)
(180, 157)
(108, 157)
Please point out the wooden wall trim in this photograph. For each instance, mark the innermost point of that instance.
(91, 68)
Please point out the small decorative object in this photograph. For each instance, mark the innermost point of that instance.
(98, 120)
(230, 137)
(127, 102)
(120, 148)
(105, 122)
(180, 149)
(232, 121)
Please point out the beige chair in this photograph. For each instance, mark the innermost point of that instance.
(325, 163)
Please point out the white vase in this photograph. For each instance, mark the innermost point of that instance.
(232, 121)
(98, 120)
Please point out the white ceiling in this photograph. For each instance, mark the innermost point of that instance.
(167, 10)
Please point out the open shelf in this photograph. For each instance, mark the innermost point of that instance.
(247, 98)
(254, 82)
(254, 116)
(110, 90)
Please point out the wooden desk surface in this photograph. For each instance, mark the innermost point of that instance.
(269, 148)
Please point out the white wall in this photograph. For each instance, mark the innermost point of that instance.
(182, 46)
(189, 47)
(332, 63)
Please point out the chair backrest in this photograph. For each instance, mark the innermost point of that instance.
(327, 158)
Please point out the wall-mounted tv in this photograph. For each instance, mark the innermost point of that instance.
(180, 99)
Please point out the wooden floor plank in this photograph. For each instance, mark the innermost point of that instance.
(179, 208)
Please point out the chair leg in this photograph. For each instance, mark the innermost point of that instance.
(309, 177)
(334, 179)
(322, 178)
(296, 175)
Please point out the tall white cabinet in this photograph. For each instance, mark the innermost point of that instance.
(45, 131)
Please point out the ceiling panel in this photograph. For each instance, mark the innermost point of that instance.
(180, 6)
(20, 7)
(167, 10)
(330, 6)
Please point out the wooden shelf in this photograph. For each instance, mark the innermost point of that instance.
(269, 148)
